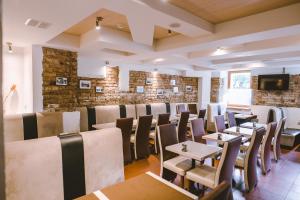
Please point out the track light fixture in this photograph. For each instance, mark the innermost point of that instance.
(9, 44)
(98, 20)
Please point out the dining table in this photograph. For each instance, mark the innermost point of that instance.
(246, 132)
(221, 138)
(147, 186)
(243, 118)
(252, 125)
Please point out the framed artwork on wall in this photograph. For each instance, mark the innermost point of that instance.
(99, 89)
(189, 88)
(175, 90)
(61, 81)
(149, 81)
(159, 92)
(173, 82)
(85, 84)
(139, 89)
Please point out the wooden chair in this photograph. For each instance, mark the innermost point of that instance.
(220, 123)
(125, 124)
(202, 113)
(192, 108)
(182, 126)
(197, 129)
(277, 137)
(180, 108)
(221, 192)
(231, 119)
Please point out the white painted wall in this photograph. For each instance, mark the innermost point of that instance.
(37, 70)
(91, 67)
(17, 70)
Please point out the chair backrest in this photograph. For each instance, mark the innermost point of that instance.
(251, 157)
(197, 129)
(192, 107)
(163, 119)
(266, 146)
(221, 192)
(142, 136)
(182, 126)
(180, 108)
(125, 124)
(166, 136)
(202, 113)
(220, 123)
(231, 119)
(277, 136)
(227, 161)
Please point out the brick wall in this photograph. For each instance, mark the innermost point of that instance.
(61, 63)
(215, 89)
(289, 98)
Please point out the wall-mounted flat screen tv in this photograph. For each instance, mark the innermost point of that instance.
(273, 82)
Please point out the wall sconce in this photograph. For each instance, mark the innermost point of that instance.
(12, 89)
(10, 50)
(98, 20)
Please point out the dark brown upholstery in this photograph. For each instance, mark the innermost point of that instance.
(182, 126)
(167, 136)
(125, 124)
(271, 116)
(220, 123)
(266, 147)
(228, 158)
(251, 159)
(197, 127)
(277, 137)
(231, 119)
(142, 136)
(180, 108)
(221, 192)
(163, 119)
(202, 113)
(193, 108)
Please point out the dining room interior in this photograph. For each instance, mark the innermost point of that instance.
(150, 99)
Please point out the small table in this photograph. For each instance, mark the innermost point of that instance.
(113, 124)
(223, 138)
(195, 150)
(250, 125)
(243, 131)
(242, 118)
(145, 187)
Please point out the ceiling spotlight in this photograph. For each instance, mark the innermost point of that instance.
(157, 60)
(98, 20)
(169, 32)
(220, 51)
(9, 44)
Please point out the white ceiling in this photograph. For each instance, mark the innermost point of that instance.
(271, 38)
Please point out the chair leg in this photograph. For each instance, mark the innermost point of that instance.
(182, 182)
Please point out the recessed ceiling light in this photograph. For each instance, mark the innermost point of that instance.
(120, 26)
(220, 51)
(31, 22)
(159, 60)
(175, 25)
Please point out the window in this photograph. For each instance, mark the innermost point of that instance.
(239, 91)
(239, 80)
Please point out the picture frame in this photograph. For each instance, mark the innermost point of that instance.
(139, 89)
(189, 88)
(175, 90)
(173, 82)
(159, 92)
(61, 81)
(149, 81)
(85, 84)
(99, 89)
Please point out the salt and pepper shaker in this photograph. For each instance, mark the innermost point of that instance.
(184, 147)
(254, 124)
(238, 129)
(219, 136)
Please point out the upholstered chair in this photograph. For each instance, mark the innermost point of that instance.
(140, 139)
(220, 123)
(197, 129)
(182, 126)
(202, 113)
(193, 108)
(231, 119)
(221, 192)
(248, 161)
(171, 163)
(125, 124)
(211, 177)
(180, 108)
(265, 150)
(161, 120)
(277, 136)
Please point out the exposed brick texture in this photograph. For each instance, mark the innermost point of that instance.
(61, 63)
(289, 98)
(215, 89)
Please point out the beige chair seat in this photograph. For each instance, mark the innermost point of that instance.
(240, 160)
(152, 134)
(203, 174)
(179, 165)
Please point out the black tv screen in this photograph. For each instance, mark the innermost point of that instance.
(273, 82)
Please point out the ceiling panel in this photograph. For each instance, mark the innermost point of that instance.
(217, 11)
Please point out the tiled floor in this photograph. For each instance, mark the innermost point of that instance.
(281, 183)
